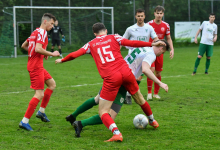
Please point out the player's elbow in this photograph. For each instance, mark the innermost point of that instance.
(37, 49)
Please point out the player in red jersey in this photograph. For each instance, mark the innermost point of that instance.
(105, 50)
(162, 29)
(36, 46)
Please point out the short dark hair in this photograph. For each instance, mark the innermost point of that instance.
(159, 8)
(167, 44)
(140, 11)
(48, 16)
(97, 27)
(211, 14)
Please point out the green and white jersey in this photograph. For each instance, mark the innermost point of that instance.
(208, 32)
(140, 33)
(137, 56)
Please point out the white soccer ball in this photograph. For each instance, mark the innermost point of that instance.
(140, 121)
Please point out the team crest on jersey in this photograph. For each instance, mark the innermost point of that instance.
(146, 30)
(136, 29)
(122, 100)
(162, 29)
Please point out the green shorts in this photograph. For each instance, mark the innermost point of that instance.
(208, 49)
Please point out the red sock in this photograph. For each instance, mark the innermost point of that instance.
(31, 107)
(156, 86)
(149, 85)
(46, 98)
(109, 122)
(146, 108)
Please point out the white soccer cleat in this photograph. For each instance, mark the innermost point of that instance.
(149, 96)
(156, 96)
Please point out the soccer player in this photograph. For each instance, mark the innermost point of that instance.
(139, 31)
(56, 37)
(105, 50)
(209, 36)
(36, 46)
(162, 29)
(142, 58)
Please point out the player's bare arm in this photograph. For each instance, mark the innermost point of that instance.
(169, 40)
(25, 45)
(146, 70)
(197, 33)
(42, 51)
(215, 38)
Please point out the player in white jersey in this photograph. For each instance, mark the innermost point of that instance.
(209, 36)
(139, 31)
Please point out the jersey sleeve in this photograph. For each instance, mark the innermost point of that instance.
(41, 37)
(202, 25)
(86, 48)
(126, 34)
(61, 31)
(168, 29)
(74, 55)
(28, 40)
(152, 32)
(216, 29)
(150, 58)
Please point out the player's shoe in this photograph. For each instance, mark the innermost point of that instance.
(51, 56)
(78, 128)
(206, 73)
(154, 124)
(115, 138)
(149, 96)
(194, 73)
(128, 100)
(61, 56)
(156, 96)
(42, 116)
(25, 126)
(71, 119)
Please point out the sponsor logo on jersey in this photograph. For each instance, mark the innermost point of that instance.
(162, 29)
(142, 38)
(136, 29)
(122, 100)
(146, 30)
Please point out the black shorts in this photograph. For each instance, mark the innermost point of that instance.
(54, 42)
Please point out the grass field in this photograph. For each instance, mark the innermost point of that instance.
(188, 114)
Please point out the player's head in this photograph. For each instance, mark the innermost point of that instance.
(140, 16)
(99, 29)
(162, 49)
(159, 12)
(56, 23)
(211, 17)
(47, 21)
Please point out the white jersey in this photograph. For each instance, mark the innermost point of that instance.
(137, 56)
(139, 33)
(208, 32)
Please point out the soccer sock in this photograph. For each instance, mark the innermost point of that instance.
(85, 106)
(156, 86)
(60, 51)
(31, 107)
(146, 108)
(149, 85)
(138, 82)
(109, 123)
(51, 50)
(94, 120)
(128, 94)
(196, 64)
(25, 120)
(45, 99)
(207, 64)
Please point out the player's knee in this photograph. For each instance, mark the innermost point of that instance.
(52, 85)
(39, 95)
(158, 73)
(208, 57)
(199, 56)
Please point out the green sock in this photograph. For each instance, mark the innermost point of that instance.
(85, 106)
(94, 120)
(196, 64)
(207, 64)
(138, 82)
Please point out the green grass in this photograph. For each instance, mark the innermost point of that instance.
(188, 114)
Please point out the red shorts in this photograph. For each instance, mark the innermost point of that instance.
(38, 78)
(158, 63)
(111, 84)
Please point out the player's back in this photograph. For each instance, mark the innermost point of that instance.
(106, 52)
(35, 60)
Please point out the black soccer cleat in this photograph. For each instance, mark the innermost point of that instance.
(70, 118)
(78, 128)
(194, 73)
(206, 73)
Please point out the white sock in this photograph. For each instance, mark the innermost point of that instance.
(116, 132)
(42, 110)
(128, 94)
(25, 120)
(151, 118)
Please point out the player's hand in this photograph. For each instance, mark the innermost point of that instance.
(164, 86)
(195, 40)
(48, 39)
(214, 40)
(171, 54)
(45, 57)
(56, 53)
(158, 43)
(58, 61)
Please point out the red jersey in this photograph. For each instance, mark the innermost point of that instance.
(161, 29)
(105, 50)
(35, 60)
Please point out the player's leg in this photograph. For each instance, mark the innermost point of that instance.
(128, 95)
(159, 69)
(52, 47)
(59, 47)
(209, 53)
(201, 52)
(150, 83)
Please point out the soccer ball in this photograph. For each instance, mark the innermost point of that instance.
(140, 121)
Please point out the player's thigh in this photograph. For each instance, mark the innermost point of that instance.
(53, 42)
(58, 43)
(120, 96)
(104, 106)
(37, 79)
(49, 81)
(209, 50)
(202, 49)
(112, 112)
(111, 86)
(159, 63)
